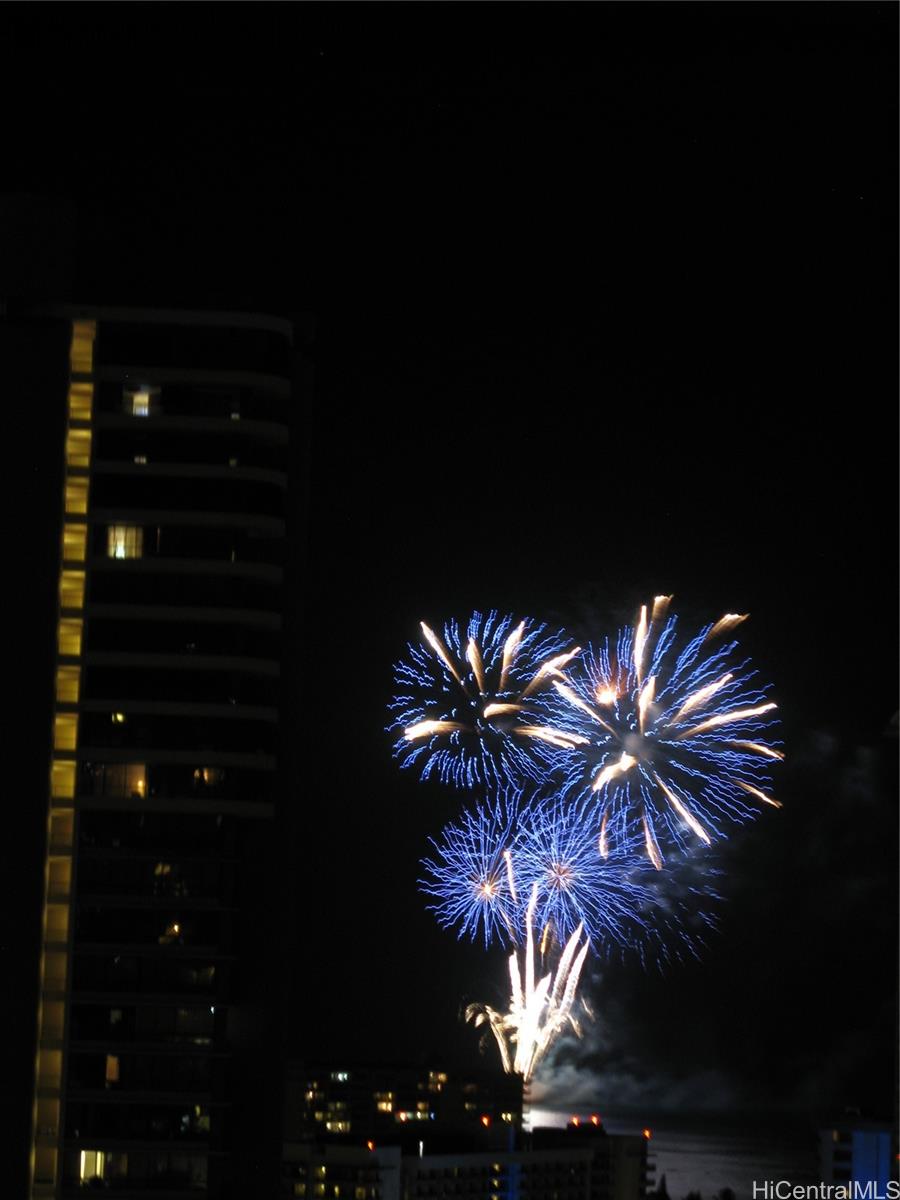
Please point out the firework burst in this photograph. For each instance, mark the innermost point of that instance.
(539, 1010)
(469, 708)
(676, 734)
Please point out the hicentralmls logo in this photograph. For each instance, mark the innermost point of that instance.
(857, 1189)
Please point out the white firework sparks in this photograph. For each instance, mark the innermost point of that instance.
(538, 1011)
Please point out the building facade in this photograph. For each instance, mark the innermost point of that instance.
(157, 1065)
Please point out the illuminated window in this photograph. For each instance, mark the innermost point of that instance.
(77, 494)
(140, 459)
(118, 718)
(174, 932)
(141, 401)
(71, 589)
(124, 541)
(70, 636)
(299, 1189)
(210, 777)
(78, 448)
(74, 542)
(112, 1069)
(65, 731)
(68, 681)
(337, 1126)
(81, 399)
(81, 355)
(337, 1076)
(92, 1163)
(62, 780)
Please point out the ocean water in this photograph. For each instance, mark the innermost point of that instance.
(708, 1152)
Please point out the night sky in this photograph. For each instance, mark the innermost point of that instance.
(605, 307)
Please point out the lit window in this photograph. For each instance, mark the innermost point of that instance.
(208, 777)
(337, 1126)
(71, 589)
(299, 1189)
(65, 731)
(112, 1069)
(74, 542)
(78, 448)
(70, 635)
(141, 401)
(77, 494)
(91, 1166)
(124, 541)
(68, 680)
(118, 718)
(81, 399)
(140, 459)
(339, 1076)
(173, 934)
(62, 780)
(81, 355)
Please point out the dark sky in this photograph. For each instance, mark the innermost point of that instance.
(605, 306)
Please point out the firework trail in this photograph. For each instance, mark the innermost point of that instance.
(469, 711)
(538, 1011)
(674, 736)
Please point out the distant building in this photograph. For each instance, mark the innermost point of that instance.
(157, 1064)
(337, 1101)
(858, 1151)
(444, 1155)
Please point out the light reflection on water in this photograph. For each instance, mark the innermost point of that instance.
(706, 1152)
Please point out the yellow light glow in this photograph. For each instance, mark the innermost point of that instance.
(74, 542)
(81, 401)
(71, 589)
(65, 731)
(68, 684)
(69, 638)
(78, 448)
(81, 354)
(77, 494)
(62, 779)
(605, 695)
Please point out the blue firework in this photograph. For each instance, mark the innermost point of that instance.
(677, 732)
(470, 879)
(469, 704)
(578, 881)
